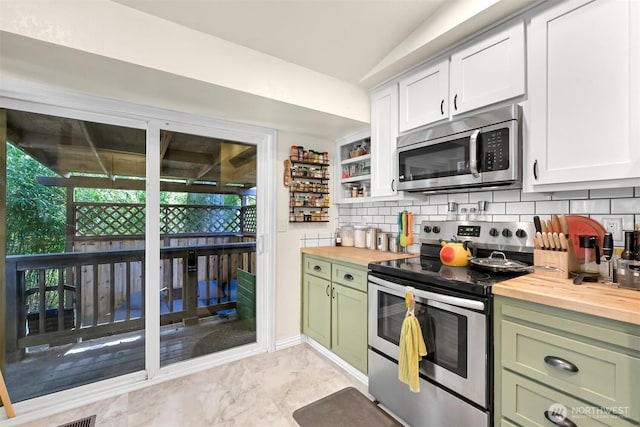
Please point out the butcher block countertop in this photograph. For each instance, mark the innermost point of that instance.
(596, 299)
(355, 255)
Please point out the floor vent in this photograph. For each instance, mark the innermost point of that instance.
(83, 422)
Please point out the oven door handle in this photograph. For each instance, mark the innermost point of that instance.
(460, 302)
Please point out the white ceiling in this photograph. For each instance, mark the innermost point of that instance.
(360, 43)
(341, 38)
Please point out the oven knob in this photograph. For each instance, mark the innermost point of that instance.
(506, 232)
(436, 229)
(521, 233)
(427, 229)
(493, 232)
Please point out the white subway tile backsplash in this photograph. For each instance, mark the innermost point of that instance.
(555, 207)
(496, 208)
(504, 205)
(520, 208)
(438, 199)
(588, 207)
(612, 193)
(506, 218)
(570, 195)
(458, 198)
(429, 210)
(631, 206)
(506, 196)
(384, 210)
(534, 197)
(479, 196)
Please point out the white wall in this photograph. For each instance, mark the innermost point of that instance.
(288, 259)
(110, 30)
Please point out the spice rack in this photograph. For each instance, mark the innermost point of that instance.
(309, 187)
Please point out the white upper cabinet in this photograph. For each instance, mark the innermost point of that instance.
(384, 131)
(489, 71)
(584, 96)
(424, 96)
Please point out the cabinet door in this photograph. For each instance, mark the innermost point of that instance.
(489, 71)
(424, 97)
(316, 309)
(584, 96)
(349, 325)
(384, 131)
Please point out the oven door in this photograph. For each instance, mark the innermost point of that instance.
(453, 329)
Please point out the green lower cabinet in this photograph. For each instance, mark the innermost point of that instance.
(334, 310)
(349, 325)
(529, 403)
(316, 309)
(572, 368)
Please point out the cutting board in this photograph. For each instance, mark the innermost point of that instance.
(579, 224)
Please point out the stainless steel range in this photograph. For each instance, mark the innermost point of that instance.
(453, 305)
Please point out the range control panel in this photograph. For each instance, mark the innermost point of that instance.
(511, 236)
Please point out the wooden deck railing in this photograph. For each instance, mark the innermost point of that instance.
(60, 298)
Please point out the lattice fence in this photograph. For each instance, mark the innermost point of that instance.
(112, 219)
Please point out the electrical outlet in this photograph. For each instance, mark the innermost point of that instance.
(613, 226)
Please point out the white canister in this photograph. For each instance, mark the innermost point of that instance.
(346, 233)
(360, 236)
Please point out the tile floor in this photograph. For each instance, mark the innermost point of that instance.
(263, 390)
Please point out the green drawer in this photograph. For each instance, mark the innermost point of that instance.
(317, 267)
(604, 377)
(525, 402)
(351, 276)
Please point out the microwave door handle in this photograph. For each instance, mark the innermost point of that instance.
(473, 153)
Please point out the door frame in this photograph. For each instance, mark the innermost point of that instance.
(38, 98)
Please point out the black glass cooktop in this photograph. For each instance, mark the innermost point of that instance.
(431, 273)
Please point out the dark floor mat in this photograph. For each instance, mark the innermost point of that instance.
(347, 407)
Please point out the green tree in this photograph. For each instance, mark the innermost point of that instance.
(35, 213)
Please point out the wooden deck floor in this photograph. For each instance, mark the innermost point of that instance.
(71, 365)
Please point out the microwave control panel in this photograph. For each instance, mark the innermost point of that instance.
(494, 150)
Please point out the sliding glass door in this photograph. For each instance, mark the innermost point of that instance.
(131, 246)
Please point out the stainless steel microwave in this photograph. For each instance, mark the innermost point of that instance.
(482, 151)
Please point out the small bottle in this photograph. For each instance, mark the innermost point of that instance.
(338, 237)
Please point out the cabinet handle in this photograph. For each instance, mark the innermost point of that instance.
(473, 153)
(317, 268)
(455, 102)
(333, 292)
(442, 107)
(348, 277)
(559, 419)
(328, 290)
(535, 169)
(560, 363)
(393, 182)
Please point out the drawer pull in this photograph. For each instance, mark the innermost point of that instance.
(317, 268)
(327, 290)
(348, 277)
(559, 419)
(559, 363)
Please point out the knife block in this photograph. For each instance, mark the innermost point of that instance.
(565, 260)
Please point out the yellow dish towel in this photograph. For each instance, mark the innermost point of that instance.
(412, 346)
